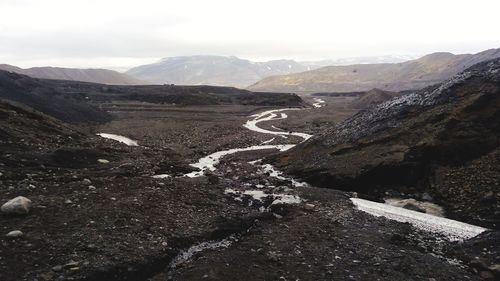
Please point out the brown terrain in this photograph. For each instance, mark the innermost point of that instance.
(409, 75)
(103, 76)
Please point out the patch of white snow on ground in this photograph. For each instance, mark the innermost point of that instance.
(454, 230)
(119, 138)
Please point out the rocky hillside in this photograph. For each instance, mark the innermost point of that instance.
(413, 74)
(103, 76)
(213, 70)
(98, 94)
(372, 97)
(73, 101)
(42, 96)
(421, 142)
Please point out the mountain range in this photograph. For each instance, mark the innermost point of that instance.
(413, 74)
(103, 76)
(232, 71)
(387, 73)
(213, 70)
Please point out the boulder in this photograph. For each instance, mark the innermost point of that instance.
(19, 205)
(14, 234)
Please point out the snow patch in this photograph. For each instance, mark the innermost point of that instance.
(119, 138)
(454, 230)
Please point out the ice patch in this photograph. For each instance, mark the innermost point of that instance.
(119, 138)
(454, 230)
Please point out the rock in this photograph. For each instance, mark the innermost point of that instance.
(19, 205)
(489, 196)
(103, 161)
(91, 187)
(426, 197)
(309, 206)
(87, 181)
(495, 268)
(413, 207)
(14, 234)
(57, 268)
(67, 201)
(486, 275)
(71, 264)
(273, 256)
(47, 275)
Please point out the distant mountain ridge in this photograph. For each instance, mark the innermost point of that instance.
(213, 70)
(414, 74)
(102, 76)
(232, 71)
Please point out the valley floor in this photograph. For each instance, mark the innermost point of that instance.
(100, 220)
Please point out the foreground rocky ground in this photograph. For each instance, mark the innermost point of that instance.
(97, 214)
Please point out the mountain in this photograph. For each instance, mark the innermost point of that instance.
(413, 74)
(103, 76)
(443, 140)
(213, 70)
(357, 60)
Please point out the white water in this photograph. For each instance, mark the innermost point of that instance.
(318, 102)
(454, 230)
(209, 162)
(258, 195)
(119, 138)
(268, 168)
(272, 115)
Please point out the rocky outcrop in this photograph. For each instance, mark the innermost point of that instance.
(401, 143)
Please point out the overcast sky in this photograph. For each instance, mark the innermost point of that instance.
(122, 33)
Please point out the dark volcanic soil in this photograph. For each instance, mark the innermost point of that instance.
(113, 221)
